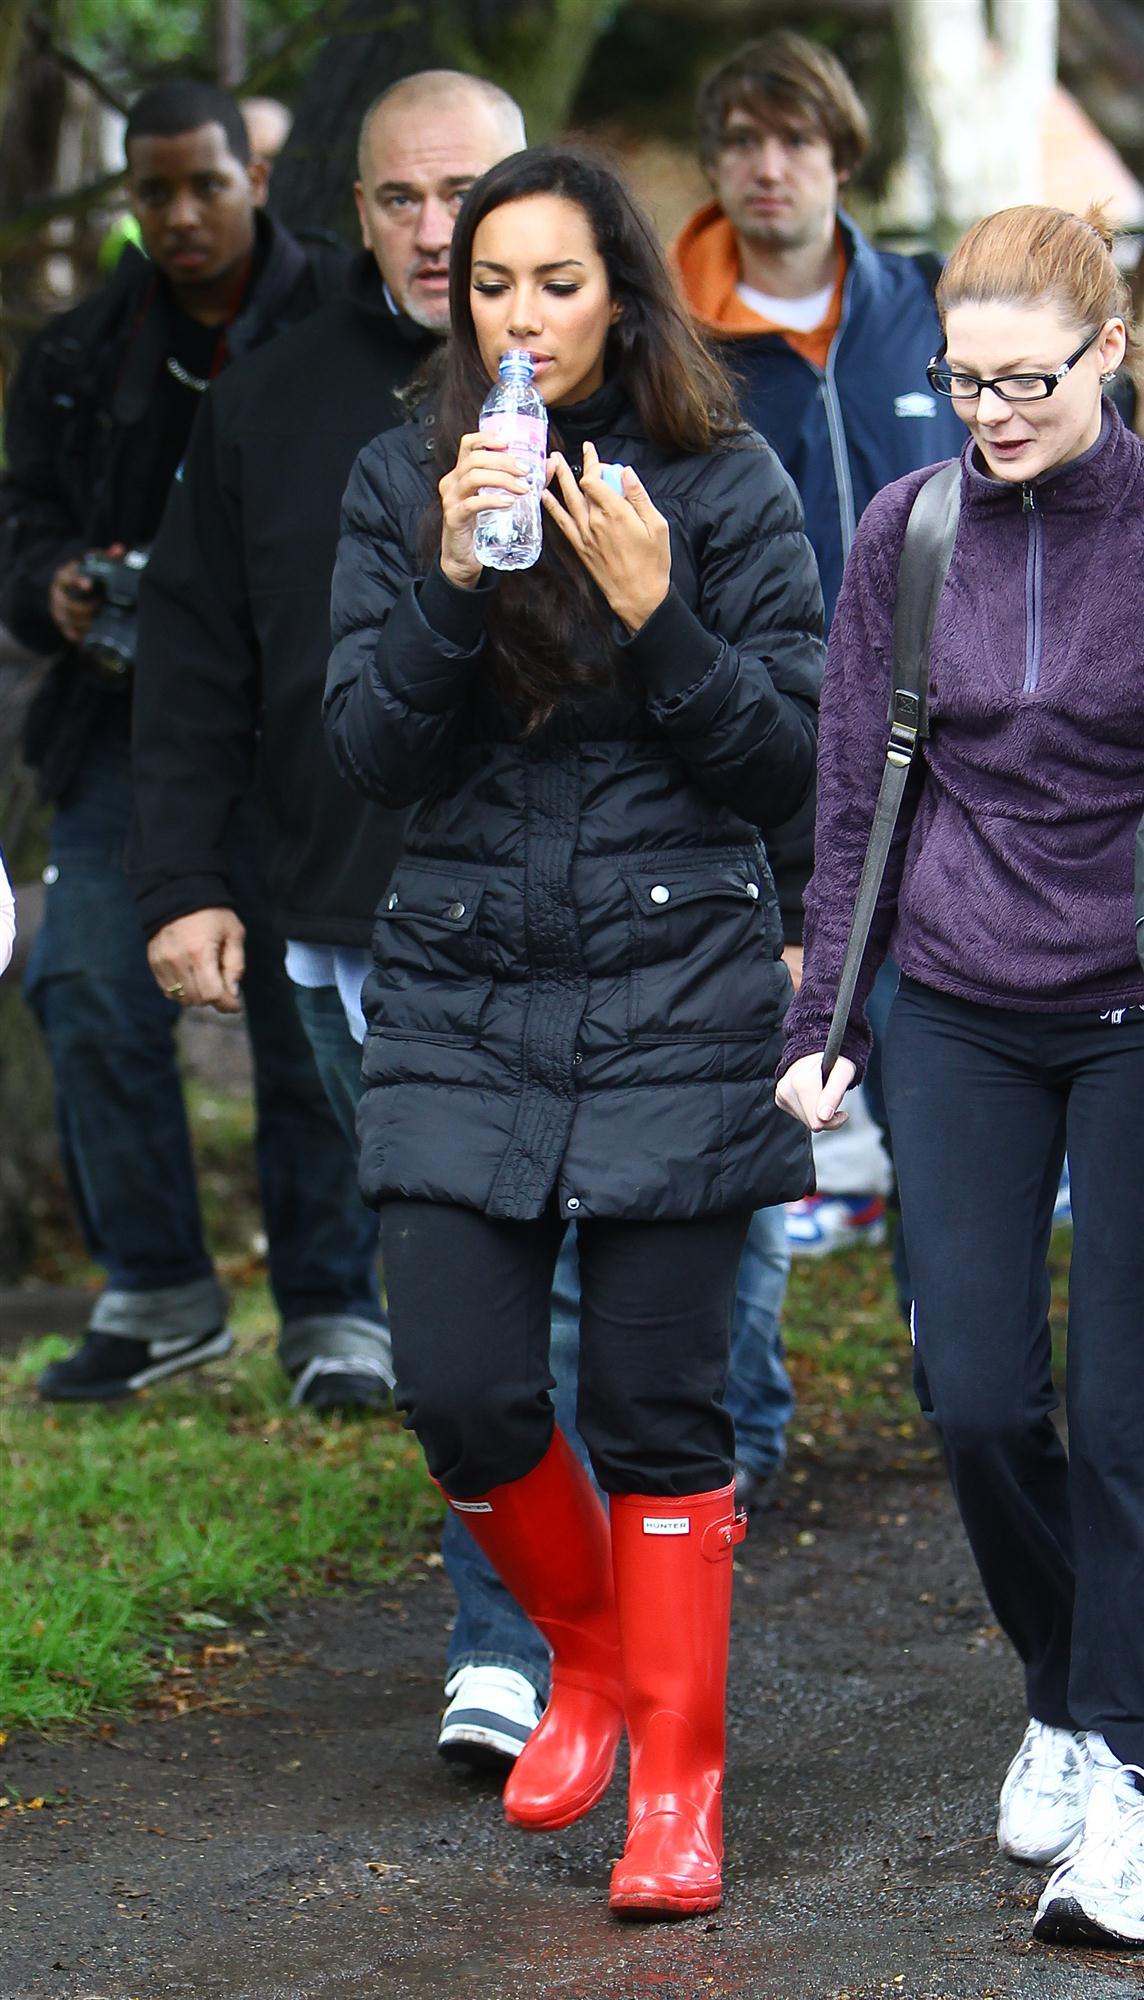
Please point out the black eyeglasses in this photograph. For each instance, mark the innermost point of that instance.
(1010, 388)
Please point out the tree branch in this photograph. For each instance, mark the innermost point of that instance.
(260, 80)
(45, 44)
(18, 230)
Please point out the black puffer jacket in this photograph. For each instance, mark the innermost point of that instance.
(577, 981)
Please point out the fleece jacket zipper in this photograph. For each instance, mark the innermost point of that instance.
(1034, 586)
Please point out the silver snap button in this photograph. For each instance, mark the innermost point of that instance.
(659, 894)
(753, 891)
(454, 911)
(572, 1203)
(577, 1059)
(51, 874)
(391, 901)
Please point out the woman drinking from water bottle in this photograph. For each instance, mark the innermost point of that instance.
(578, 991)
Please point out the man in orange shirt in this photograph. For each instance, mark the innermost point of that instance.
(828, 341)
(827, 337)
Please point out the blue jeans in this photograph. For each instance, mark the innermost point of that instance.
(759, 1393)
(122, 1120)
(490, 1629)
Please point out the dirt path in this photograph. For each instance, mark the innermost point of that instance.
(304, 1843)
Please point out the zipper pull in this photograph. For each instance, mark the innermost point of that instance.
(1028, 500)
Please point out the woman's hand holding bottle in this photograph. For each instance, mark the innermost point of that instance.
(815, 1104)
(622, 541)
(486, 475)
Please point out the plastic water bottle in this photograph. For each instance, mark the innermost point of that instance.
(511, 537)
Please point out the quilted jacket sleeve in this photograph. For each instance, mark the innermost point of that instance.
(734, 683)
(405, 649)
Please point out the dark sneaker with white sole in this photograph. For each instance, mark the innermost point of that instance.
(755, 1492)
(105, 1367)
(492, 1712)
(334, 1382)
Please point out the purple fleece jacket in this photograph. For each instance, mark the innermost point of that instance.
(1011, 884)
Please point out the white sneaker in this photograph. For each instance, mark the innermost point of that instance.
(820, 1223)
(1097, 1898)
(1043, 1799)
(492, 1712)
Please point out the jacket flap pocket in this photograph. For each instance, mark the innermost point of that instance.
(432, 895)
(656, 891)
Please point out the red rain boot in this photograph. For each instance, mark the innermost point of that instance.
(547, 1536)
(673, 1561)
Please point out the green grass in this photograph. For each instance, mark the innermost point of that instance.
(849, 1351)
(130, 1533)
(196, 1504)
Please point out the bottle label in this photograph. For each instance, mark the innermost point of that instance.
(520, 433)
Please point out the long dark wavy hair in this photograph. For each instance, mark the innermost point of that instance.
(681, 397)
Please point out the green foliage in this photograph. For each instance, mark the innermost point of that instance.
(193, 1505)
(130, 42)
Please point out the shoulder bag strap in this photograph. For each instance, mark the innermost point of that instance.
(930, 535)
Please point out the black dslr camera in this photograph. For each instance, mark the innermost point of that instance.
(110, 644)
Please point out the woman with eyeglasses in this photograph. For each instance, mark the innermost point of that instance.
(1019, 1024)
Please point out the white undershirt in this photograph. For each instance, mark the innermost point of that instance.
(332, 965)
(800, 315)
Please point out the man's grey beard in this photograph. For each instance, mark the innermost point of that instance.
(422, 318)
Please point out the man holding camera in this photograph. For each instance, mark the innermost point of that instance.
(98, 424)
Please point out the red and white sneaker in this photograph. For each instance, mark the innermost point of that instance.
(820, 1223)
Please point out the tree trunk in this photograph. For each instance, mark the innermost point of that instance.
(12, 18)
(231, 38)
(537, 49)
(33, 113)
(981, 102)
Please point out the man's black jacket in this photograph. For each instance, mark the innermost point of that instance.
(86, 387)
(234, 630)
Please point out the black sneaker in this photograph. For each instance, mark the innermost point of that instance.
(330, 1382)
(755, 1492)
(106, 1367)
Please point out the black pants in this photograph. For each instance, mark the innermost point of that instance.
(982, 1103)
(469, 1309)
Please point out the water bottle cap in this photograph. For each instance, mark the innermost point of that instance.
(518, 361)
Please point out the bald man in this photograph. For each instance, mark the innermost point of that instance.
(234, 613)
(234, 635)
(267, 124)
